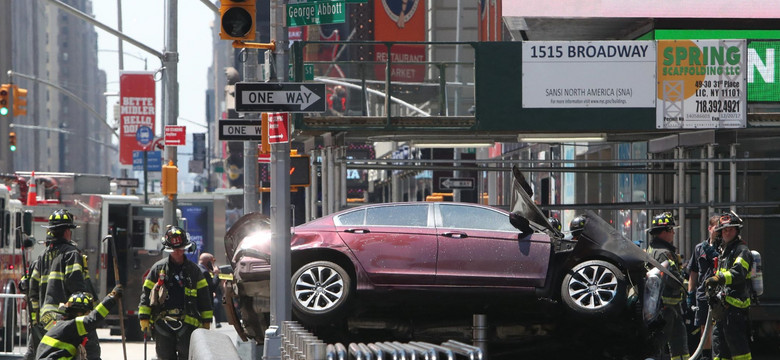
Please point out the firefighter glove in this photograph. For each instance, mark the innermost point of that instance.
(144, 325)
(117, 292)
(206, 325)
(714, 281)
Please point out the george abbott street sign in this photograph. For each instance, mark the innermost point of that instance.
(451, 183)
(242, 130)
(271, 97)
(316, 13)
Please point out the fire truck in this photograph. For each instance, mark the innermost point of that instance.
(26, 201)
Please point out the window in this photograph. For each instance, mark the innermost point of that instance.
(351, 218)
(398, 215)
(472, 217)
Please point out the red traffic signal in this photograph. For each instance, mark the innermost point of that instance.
(237, 19)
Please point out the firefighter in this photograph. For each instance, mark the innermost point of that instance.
(175, 299)
(59, 272)
(68, 334)
(576, 226)
(673, 333)
(700, 267)
(730, 335)
(211, 274)
(555, 223)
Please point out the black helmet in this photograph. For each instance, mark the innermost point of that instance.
(663, 221)
(78, 303)
(556, 224)
(577, 224)
(175, 238)
(729, 219)
(59, 219)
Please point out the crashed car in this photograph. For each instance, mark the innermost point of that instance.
(345, 265)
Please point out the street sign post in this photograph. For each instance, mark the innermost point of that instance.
(241, 130)
(308, 72)
(453, 183)
(289, 97)
(316, 13)
(278, 128)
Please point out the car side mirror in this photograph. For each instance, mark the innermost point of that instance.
(520, 223)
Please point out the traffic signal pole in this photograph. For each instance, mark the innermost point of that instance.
(280, 181)
(250, 147)
(6, 160)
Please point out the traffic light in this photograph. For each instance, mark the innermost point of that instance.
(300, 171)
(20, 101)
(12, 141)
(237, 19)
(5, 90)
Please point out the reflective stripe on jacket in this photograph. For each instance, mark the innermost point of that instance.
(198, 306)
(64, 337)
(734, 267)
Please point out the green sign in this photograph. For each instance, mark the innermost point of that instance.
(308, 72)
(316, 13)
(763, 69)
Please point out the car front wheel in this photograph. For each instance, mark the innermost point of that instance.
(594, 288)
(320, 291)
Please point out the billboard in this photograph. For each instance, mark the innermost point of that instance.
(588, 74)
(763, 74)
(701, 84)
(136, 109)
(400, 20)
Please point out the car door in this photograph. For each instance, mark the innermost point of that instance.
(395, 243)
(479, 247)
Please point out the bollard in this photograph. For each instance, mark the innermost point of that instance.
(272, 349)
(315, 350)
(479, 333)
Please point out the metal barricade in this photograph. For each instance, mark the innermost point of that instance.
(299, 344)
(13, 337)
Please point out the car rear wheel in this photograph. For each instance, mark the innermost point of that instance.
(594, 288)
(320, 291)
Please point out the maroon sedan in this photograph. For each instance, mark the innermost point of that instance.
(429, 247)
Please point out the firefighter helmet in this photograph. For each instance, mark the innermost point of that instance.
(577, 225)
(78, 303)
(175, 238)
(729, 219)
(663, 221)
(556, 224)
(61, 218)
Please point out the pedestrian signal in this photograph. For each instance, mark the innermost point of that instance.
(20, 101)
(237, 19)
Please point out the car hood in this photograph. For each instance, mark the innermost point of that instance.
(249, 236)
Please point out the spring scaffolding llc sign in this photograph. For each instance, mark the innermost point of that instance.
(701, 84)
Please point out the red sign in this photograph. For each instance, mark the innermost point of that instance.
(175, 135)
(264, 158)
(136, 109)
(278, 128)
(400, 20)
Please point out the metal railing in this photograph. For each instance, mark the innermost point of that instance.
(294, 342)
(12, 336)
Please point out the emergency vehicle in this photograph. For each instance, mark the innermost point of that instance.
(136, 228)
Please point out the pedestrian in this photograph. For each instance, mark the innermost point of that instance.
(59, 272)
(68, 334)
(672, 333)
(577, 225)
(732, 281)
(700, 267)
(208, 266)
(175, 299)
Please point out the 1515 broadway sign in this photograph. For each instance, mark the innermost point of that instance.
(588, 74)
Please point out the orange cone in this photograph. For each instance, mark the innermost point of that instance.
(32, 194)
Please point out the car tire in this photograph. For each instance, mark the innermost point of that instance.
(321, 291)
(594, 288)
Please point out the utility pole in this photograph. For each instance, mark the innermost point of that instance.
(170, 62)
(6, 60)
(250, 147)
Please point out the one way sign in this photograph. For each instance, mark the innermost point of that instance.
(289, 97)
(450, 183)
